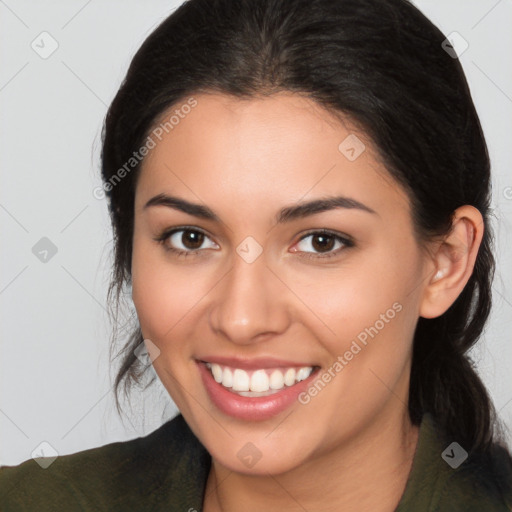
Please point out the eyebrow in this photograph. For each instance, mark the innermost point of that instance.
(286, 214)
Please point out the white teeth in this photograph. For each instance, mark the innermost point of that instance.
(240, 380)
(217, 372)
(255, 393)
(259, 381)
(276, 380)
(303, 373)
(227, 378)
(289, 377)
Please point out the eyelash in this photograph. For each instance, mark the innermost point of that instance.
(164, 236)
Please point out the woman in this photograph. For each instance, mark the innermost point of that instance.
(299, 192)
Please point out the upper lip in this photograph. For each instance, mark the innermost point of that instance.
(255, 363)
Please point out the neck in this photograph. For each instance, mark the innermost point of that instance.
(369, 473)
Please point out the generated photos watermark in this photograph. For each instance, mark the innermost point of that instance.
(152, 139)
(355, 348)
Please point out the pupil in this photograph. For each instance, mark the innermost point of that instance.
(326, 242)
(192, 239)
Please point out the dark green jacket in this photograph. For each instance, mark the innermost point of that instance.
(167, 471)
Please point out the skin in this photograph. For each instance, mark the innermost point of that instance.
(351, 447)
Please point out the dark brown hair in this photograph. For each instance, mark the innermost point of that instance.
(380, 62)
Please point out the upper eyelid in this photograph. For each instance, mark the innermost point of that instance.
(169, 232)
(325, 232)
(340, 236)
(310, 232)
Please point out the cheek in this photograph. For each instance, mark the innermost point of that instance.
(171, 300)
(344, 301)
(166, 298)
(364, 309)
(163, 292)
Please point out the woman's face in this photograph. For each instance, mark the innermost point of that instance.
(258, 291)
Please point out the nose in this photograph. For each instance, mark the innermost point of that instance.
(249, 303)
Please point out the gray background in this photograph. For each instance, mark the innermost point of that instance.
(54, 371)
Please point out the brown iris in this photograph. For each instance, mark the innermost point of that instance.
(323, 243)
(192, 239)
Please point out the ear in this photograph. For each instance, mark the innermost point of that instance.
(453, 262)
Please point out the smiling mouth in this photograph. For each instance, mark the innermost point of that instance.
(260, 382)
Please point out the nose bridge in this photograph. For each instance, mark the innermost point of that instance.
(249, 303)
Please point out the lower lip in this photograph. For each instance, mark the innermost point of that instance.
(251, 408)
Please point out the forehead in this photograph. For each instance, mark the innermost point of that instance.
(283, 147)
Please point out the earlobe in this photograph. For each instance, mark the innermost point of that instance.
(453, 262)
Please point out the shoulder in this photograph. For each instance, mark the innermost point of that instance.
(445, 477)
(481, 483)
(118, 476)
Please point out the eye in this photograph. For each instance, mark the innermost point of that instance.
(185, 240)
(322, 244)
